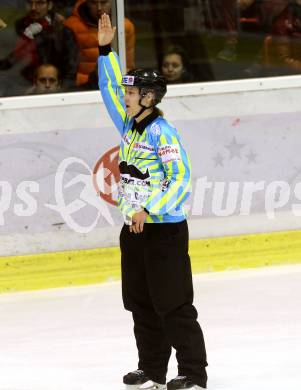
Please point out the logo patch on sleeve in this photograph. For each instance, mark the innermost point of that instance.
(155, 129)
(169, 153)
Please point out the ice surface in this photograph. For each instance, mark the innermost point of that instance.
(81, 338)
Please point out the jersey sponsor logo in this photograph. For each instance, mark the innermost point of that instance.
(143, 146)
(155, 129)
(133, 181)
(133, 190)
(141, 197)
(169, 153)
(133, 171)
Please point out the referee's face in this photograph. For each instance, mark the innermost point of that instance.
(131, 100)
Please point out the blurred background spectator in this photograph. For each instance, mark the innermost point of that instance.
(42, 39)
(243, 26)
(175, 66)
(65, 7)
(84, 24)
(189, 40)
(283, 45)
(46, 80)
(167, 23)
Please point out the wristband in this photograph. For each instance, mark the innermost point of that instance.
(104, 50)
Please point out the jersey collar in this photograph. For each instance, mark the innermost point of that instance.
(145, 122)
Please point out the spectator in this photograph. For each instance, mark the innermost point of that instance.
(84, 24)
(225, 19)
(46, 80)
(174, 66)
(269, 10)
(227, 15)
(266, 11)
(43, 39)
(284, 51)
(65, 7)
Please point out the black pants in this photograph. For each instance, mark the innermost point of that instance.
(157, 289)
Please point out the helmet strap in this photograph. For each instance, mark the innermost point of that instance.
(143, 108)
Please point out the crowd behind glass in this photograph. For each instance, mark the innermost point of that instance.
(50, 46)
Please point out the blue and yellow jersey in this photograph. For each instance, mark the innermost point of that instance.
(155, 171)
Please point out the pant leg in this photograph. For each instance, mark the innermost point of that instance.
(153, 348)
(168, 272)
(133, 281)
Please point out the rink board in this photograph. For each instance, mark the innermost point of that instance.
(56, 151)
(72, 268)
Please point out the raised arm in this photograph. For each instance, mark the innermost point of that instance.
(109, 73)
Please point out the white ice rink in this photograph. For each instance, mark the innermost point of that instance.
(81, 338)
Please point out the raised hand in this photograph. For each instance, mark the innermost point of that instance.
(105, 30)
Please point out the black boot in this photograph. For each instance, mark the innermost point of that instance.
(137, 377)
(182, 383)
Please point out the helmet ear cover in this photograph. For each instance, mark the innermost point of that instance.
(143, 91)
(157, 92)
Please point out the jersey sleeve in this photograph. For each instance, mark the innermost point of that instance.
(176, 186)
(110, 77)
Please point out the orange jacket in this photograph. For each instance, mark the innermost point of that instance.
(85, 32)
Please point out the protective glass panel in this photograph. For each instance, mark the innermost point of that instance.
(208, 40)
(49, 46)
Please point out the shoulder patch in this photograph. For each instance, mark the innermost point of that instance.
(169, 153)
(155, 129)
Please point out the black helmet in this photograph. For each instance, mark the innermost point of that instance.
(146, 80)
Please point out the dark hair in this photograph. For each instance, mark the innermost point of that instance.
(35, 73)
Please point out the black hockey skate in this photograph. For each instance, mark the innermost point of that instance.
(135, 378)
(182, 383)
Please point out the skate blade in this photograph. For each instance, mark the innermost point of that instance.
(149, 385)
(195, 387)
(132, 387)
